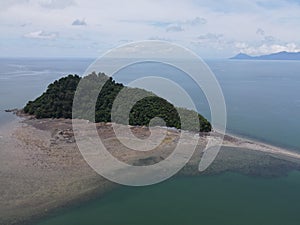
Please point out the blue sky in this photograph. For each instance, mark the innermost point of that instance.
(213, 29)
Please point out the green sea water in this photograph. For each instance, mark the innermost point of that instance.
(263, 102)
(227, 199)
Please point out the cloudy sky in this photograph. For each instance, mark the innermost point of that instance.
(88, 28)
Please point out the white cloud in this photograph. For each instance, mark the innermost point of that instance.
(222, 25)
(174, 28)
(267, 49)
(260, 31)
(41, 35)
(269, 38)
(196, 21)
(241, 45)
(78, 22)
(160, 39)
(210, 37)
(180, 25)
(265, 37)
(213, 40)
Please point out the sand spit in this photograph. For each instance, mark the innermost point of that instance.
(42, 168)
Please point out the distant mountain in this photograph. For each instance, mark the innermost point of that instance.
(274, 56)
(242, 56)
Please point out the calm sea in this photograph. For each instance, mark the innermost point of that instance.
(263, 103)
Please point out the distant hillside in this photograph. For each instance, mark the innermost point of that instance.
(274, 56)
(57, 102)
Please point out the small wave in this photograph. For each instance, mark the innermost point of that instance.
(23, 74)
(18, 66)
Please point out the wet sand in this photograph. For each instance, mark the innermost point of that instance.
(42, 169)
(36, 178)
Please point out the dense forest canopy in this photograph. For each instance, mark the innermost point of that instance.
(57, 102)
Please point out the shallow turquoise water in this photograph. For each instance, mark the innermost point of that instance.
(226, 199)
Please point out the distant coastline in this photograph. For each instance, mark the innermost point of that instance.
(274, 56)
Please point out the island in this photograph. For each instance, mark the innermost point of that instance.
(57, 102)
(275, 56)
(43, 171)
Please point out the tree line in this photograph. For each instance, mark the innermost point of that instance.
(57, 102)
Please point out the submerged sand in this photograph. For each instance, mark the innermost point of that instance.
(41, 168)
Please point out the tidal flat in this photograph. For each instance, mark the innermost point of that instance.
(42, 170)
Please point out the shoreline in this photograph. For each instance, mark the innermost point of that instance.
(256, 145)
(57, 177)
(262, 141)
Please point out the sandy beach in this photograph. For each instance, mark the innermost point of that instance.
(42, 169)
